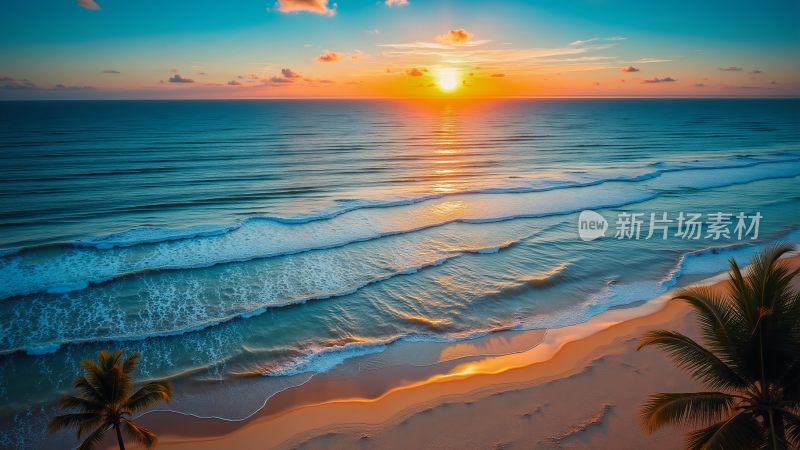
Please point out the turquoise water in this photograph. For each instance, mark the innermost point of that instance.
(225, 239)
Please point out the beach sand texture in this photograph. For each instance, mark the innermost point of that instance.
(581, 387)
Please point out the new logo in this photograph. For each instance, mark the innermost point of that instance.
(591, 225)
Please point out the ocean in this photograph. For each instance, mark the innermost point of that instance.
(226, 240)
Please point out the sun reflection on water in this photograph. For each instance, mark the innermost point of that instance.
(447, 144)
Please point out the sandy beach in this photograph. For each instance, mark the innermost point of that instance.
(575, 387)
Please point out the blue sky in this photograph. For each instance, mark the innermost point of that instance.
(125, 49)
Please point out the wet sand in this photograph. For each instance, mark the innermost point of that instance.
(574, 387)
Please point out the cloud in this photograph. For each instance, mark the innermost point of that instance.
(332, 57)
(455, 37)
(89, 4)
(111, 71)
(329, 57)
(730, 69)
(500, 59)
(286, 76)
(277, 79)
(699, 85)
(418, 45)
(14, 84)
(414, 72)
(756, 72)
(745, 87)
(629, 69)
(650, 60)
(177, 78)
(291, 74)
(659, 80)
(374, 32)
(9, 83)
(313, 6)
(498, 75)
(496, 57)
(583, 42)
(63, 87)
(234, 83)
(396, 2)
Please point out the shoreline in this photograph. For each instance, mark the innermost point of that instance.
(344, 407)
(275, 427)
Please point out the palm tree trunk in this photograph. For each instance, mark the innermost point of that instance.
(780, 429)
(119, 437)
(765, 394)
(773, 438)
(774, 421)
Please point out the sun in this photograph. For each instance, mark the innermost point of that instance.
(448, 80)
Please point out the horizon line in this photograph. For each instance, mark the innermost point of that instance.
(541, 97)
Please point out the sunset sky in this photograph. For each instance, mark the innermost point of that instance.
(397, 48)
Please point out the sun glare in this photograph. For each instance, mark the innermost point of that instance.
(448, 80)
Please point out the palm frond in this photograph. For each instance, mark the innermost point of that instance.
(721, 324)
(694, 409)
(139, 434)
(131, 362)
(92, 382)
(741, 431)
(81, 421)
(109, 359)
(88, 390)
(150, 394)
(766, 278)
(119, 385)
(792, 422)
(105, 396)
(741, 295)
(752, 352)
(691, 356)
(80, 403)
(91, 441)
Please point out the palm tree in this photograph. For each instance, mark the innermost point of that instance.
(106, 401)
(750, 362)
